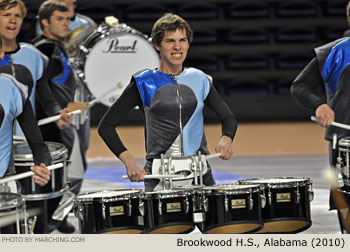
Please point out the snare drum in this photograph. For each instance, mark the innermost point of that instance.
(110, 55)
(109, 212)
(12, 214)
(287, 208)
(168, 211)
(56, 186)
(232, 209)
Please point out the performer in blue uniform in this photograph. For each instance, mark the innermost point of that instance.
(171, 99)
(14, 93)
(13, 13)
(323, 87)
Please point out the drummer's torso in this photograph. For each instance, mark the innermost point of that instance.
(173, 108)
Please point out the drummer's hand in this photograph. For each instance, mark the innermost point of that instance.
(42, 174)
(72, 106)
(224, 147)
(65, 120)
(324, 115)
(134, 171)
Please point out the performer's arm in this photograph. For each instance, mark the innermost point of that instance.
(106, 129)
(228, 122)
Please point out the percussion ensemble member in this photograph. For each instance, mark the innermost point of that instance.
(15, 104)
(55, 19)
(11, 19)
(171, 99)
(323, 87)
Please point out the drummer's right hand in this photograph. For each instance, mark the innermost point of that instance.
(65, 120)
(42, 174)
(324, 115)
(136, 172)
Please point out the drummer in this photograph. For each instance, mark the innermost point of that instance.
(322, 86)
(12, 15)
(54, 18)
(171, 98)
(14, 100)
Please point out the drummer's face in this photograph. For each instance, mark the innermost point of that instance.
(58, 27)
(10, 23)
(173, 50)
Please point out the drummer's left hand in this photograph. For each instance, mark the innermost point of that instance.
(224, 147)
(42, 174)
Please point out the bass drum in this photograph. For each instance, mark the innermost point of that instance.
(110, 56)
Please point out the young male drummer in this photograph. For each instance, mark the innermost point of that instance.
(172, 99)
(55, 19)
(14, 104)
(12, 13)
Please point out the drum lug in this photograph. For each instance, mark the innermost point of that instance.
(142, 207)
(187, 205)
(84, 49)
(31, 225)
(129, 208)
(160, 207)
(311, 193)
(263, 200)
(103, 210)
(338, 166)
(226, 203)
(251, 202)
(298, 195)
(78, 212)
(270, 197)
(205, 204)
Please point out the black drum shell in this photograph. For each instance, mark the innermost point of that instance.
(216, 215)
(153, 220)
(91, 220)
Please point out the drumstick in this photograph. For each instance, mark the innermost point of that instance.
(335, 124)
(56, 117)
(159, 176)
(94, 101)
(28, 174)
(211, 156)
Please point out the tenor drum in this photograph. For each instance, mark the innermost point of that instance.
(109, 212)
(110, 55)
(287, 208)
(58, 182)
(12, 214)
(168, 211)
(232, 209)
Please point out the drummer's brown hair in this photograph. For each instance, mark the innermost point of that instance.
(8, 4)
(170, 22)
(47, 8)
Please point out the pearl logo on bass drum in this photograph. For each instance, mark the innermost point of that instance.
(114, 46)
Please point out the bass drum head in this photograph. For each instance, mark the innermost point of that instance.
(113, 60)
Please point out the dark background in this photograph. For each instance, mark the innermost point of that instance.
(252, 49)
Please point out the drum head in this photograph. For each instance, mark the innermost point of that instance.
(24, 153)
(106, 195)
(114, 59)
(231, 188)
(275, 181)
(163, 194)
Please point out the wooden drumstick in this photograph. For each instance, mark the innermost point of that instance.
(28, 174)
(159, 176)
(335, 124)
(56, 117)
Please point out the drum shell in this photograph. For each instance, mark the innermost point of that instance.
(153, 220)
(12, 204)
(95, 215)
(217, 215)
(58, 179)
(283, 211)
